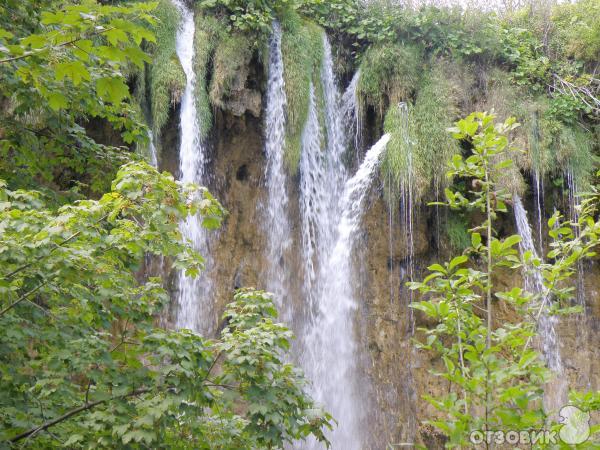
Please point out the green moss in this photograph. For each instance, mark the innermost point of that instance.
(389, 73)
(166, 74)
(302, 49)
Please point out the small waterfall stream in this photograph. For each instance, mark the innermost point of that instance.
(407, 208)
(275, 209)
(193, 311)
(534, 283)
(573, 189)
(331, 350)
(350, 106)
(313, 202)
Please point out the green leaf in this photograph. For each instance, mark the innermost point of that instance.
(457, 261)
(57, 101)
(73, 70)
(112, 89)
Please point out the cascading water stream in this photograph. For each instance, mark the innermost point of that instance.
(275, 209)
(193, 311)
(152, 150)
(331, 351)
(313, 200)
(322, 177)
(574, 216)
(534, 283)
(538, 192)
(350, 106)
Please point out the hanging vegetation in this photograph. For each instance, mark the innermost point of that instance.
(209, 31)
(166, 74)
(389, 74)
(302, 50)
(420, 147)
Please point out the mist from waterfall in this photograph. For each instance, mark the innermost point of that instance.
(331, 349)
(275, 209)
(193, 310)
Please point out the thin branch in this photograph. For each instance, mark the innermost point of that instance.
(64, 44)
(57, 246)
(23, 297)
(74, 412)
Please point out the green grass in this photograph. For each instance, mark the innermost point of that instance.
(302, 50)
(389, 73)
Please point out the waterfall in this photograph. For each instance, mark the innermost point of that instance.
(152, 150)
(322, 177)
(538, 191)
(350, 107)
(331, 351)
(193, 310)
(277, 226)
(315, 216)
(534, 283)
(407, 205)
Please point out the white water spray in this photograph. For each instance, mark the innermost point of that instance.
(193, 311)
(277, 226)
(331, 350)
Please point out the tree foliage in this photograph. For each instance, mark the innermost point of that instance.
(496, 377)
(83, 363)
(65, 67)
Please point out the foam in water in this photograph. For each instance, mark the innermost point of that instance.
(194, 311)
(331, 350)
(277, 226)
